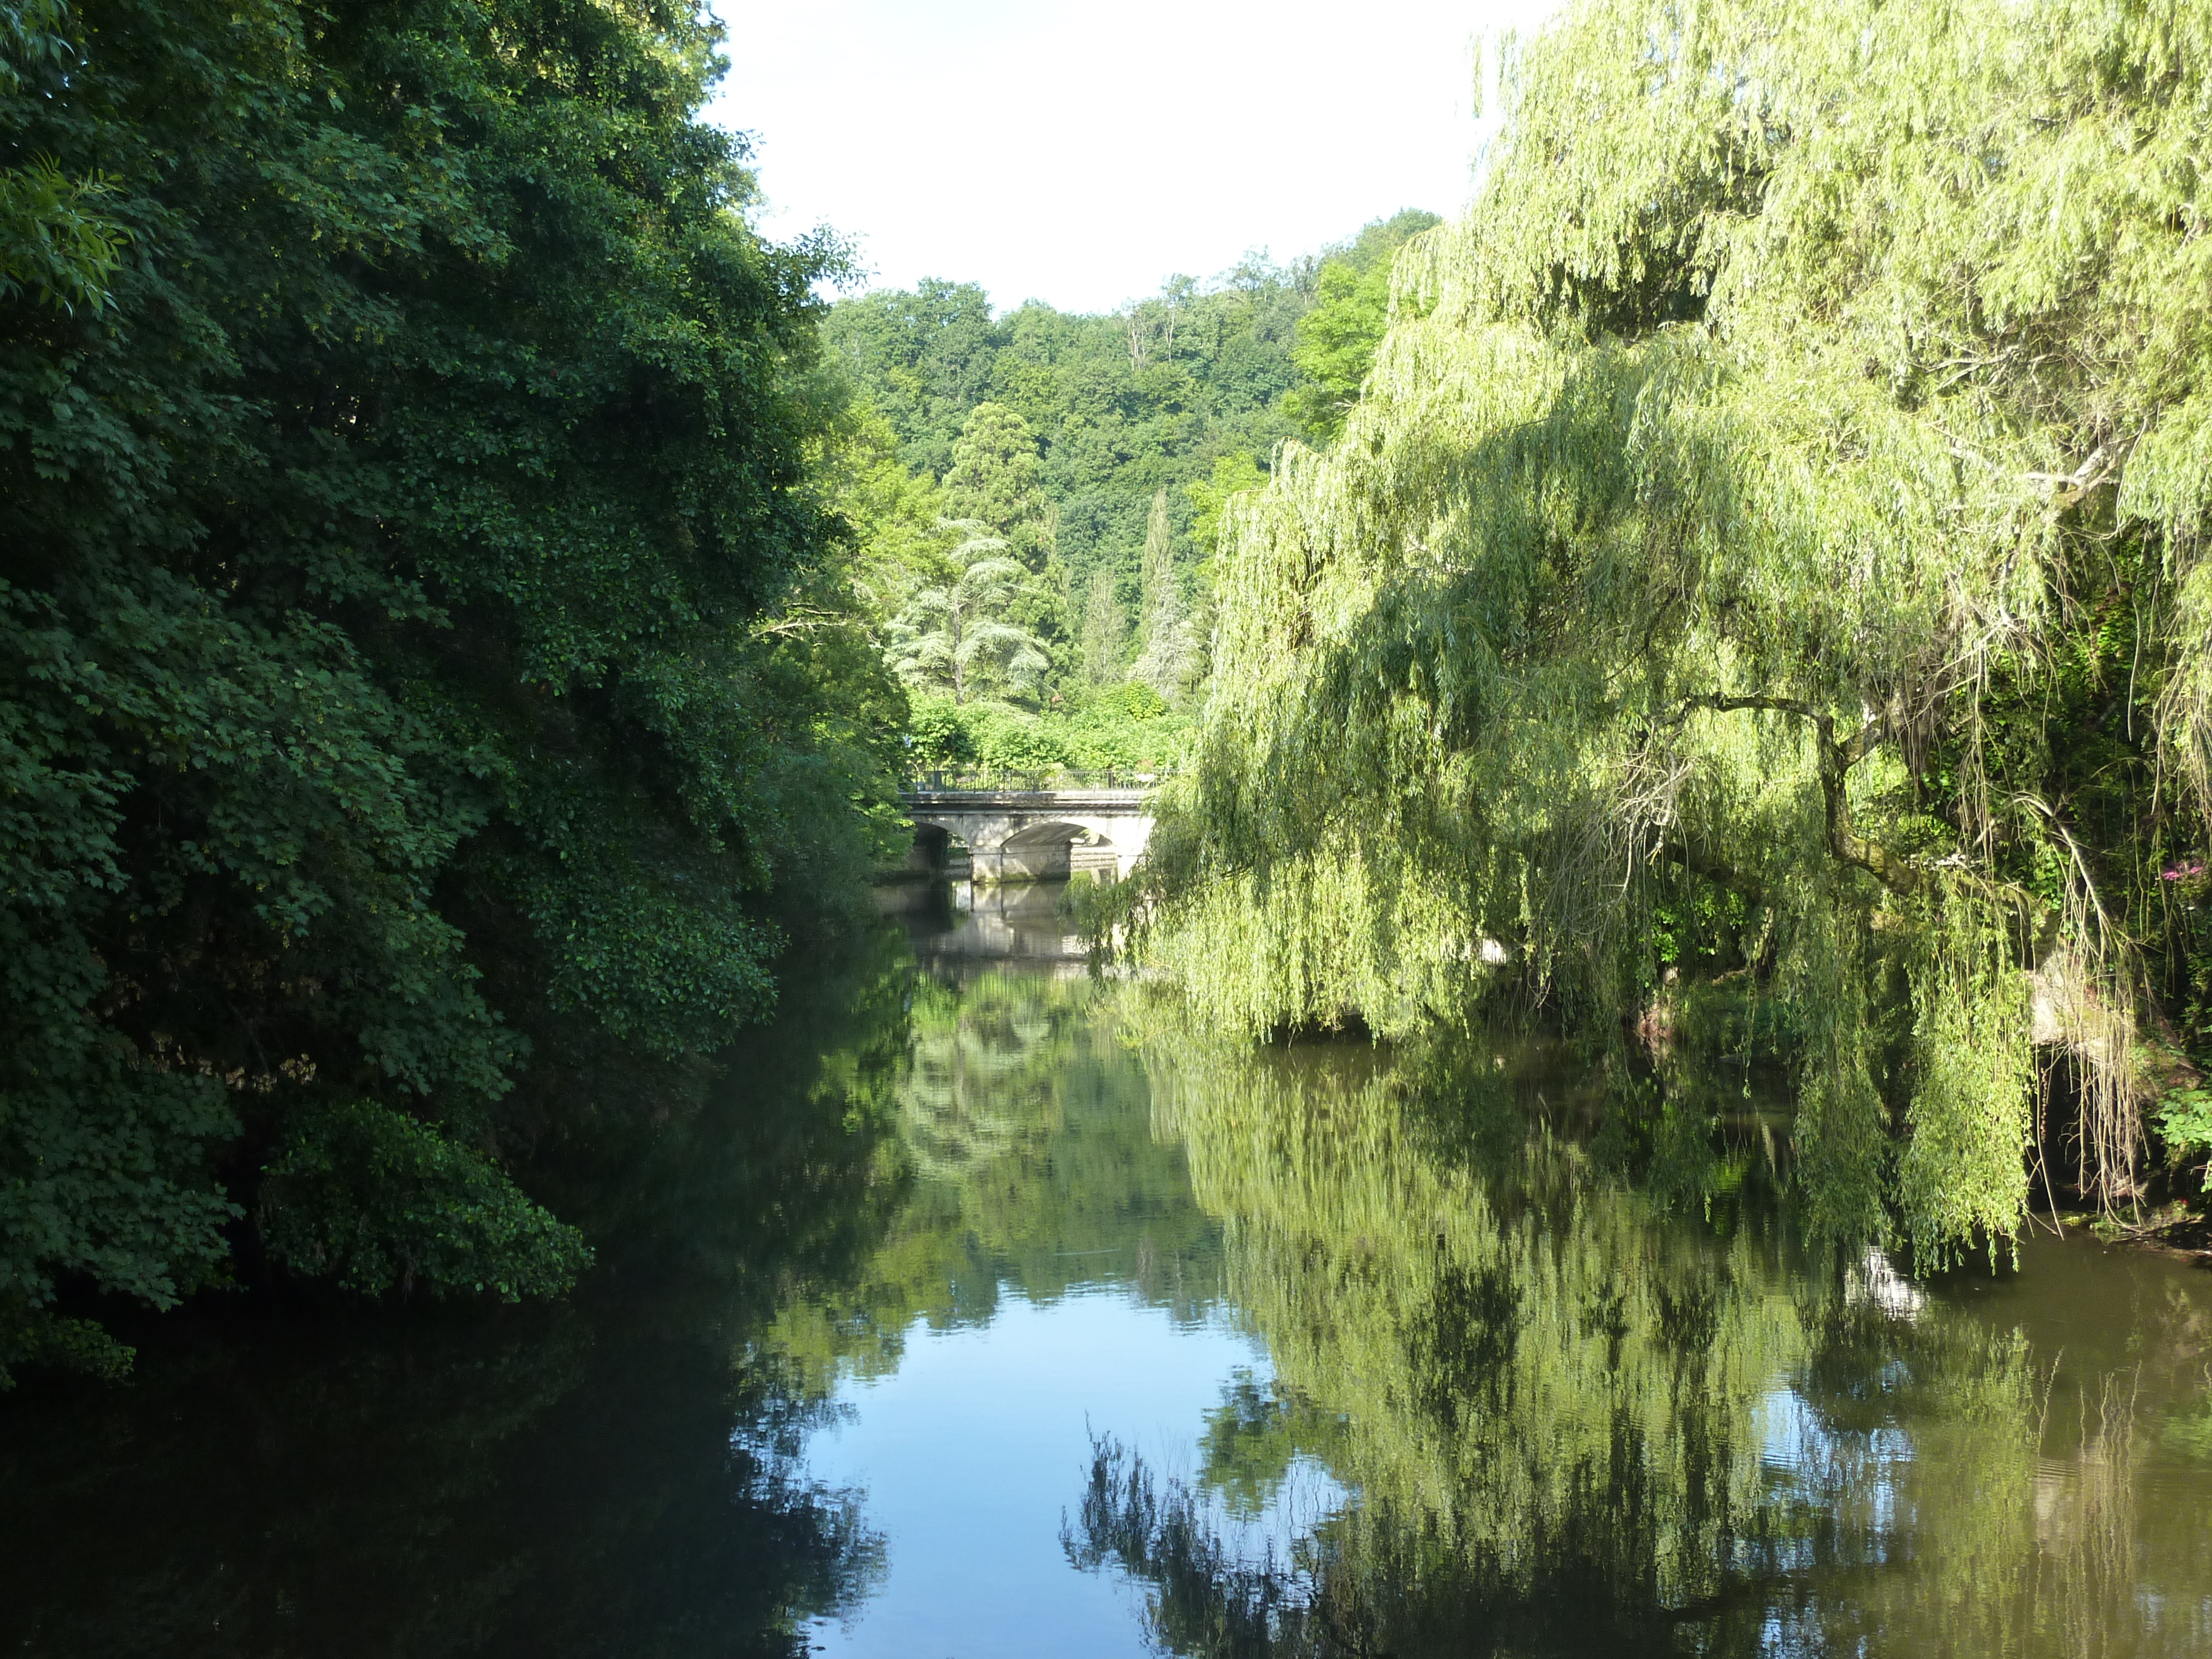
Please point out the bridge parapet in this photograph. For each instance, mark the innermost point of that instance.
(1044, 780)
(1029, 800)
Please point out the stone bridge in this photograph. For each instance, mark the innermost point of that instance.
(1027, 834)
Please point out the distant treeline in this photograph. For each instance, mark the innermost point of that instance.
(1104, 434)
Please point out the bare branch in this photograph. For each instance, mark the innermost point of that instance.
(803, 620)
(2103, 463)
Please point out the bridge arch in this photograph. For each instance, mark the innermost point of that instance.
(1056, 847)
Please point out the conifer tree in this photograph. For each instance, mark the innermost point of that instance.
(958, 634)
(996, 480)
(1103, 628)
(996, 483)
(1167, 659)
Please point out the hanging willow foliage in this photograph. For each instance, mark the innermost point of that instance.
(1802, 445)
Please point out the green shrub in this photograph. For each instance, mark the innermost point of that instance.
(1132, 699)
(936, 735)
(379, 1202)
(1006, 740)
(2184, 1122)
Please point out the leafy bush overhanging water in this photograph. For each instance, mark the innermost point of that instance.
(403, 440)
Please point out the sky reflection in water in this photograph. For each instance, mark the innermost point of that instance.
(1614, 1404)
(973, 1450)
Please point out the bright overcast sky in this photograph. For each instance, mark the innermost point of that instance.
(1081, 153)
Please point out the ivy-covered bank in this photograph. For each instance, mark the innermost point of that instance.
(422, 666)
(1768, 553)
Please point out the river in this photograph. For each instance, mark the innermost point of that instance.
(983, 1308)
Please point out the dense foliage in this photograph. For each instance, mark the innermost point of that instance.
(423, 648)
(1117, 406)
(1100, 450)
(1351, 312)
(1768, 544)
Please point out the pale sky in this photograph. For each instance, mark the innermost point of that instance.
(1081, 153)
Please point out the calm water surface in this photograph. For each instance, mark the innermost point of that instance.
(981, 1308)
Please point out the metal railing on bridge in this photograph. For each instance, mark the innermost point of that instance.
(1048, 779)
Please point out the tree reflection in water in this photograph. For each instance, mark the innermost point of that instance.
(1551, 1374)
(1026, 1164)
(1591, 1393)
(621, 1474)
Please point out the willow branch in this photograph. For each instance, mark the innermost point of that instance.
(2040, 924)
(1836, 757)
(2071, 487)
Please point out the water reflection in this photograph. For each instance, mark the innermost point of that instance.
(1595, 1400)
(981, 1308)
(617, 1476)
(1026, 1165)
(963, 924)
(1050, 1269)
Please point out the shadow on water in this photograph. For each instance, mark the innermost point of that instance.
(618, 1475)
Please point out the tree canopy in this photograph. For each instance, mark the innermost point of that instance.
(1336, 339)
(1083, 421)
(1102, 449)
(413, 657)
(1769, 543)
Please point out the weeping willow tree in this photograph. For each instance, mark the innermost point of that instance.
(1787, 485)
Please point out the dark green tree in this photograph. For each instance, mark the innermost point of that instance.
(997, 480)
(924, 358)
(396, 525)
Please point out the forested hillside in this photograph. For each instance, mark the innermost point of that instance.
(1760, 597)
(423, 662)
(1089, 458)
